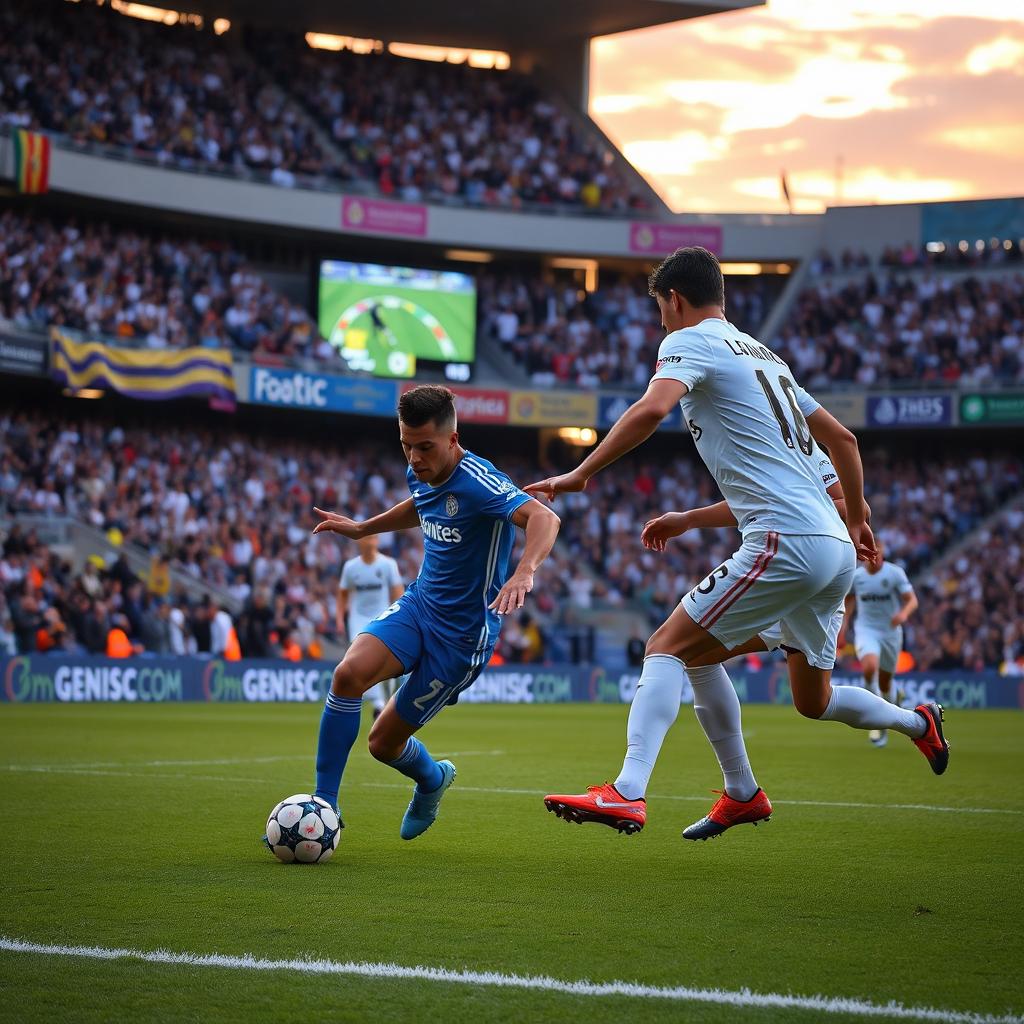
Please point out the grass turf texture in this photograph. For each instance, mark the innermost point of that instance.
(871, 903)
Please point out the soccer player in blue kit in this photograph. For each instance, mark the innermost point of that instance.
(443, 629)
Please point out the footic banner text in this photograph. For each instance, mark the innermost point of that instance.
(75, 680)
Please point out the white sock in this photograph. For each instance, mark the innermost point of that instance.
(872, 686)
(718, 710)
(654, 709)
(864, 710)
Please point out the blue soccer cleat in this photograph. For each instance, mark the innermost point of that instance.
(422, 809)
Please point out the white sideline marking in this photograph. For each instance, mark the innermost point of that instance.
(58, 770)
(723, 997)
(217, 761)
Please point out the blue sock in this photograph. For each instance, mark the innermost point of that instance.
(415, 762)
(339, 727)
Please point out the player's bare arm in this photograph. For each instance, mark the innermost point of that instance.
(909, 602)
(541, 527)
(845, 454)
(657, 532)
(401, 517)
(635, 425)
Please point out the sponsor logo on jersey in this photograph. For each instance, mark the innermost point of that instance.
(451, 506)
(444, 534)
(666, 360)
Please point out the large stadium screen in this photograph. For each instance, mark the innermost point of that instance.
(388, 320)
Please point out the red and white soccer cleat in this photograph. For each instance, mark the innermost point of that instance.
(728, 812)
(933, 744)
(604, 805)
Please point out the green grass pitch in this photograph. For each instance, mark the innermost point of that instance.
(114, 840)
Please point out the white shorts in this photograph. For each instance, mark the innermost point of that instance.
(796, 582)
(885, 646)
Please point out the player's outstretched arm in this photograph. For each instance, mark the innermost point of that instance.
(845, 454)
(402, 517)
(657, 532)
(541, 527)
(633, 427)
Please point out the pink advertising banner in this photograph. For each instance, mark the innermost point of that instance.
(661, 239)
(384, 217)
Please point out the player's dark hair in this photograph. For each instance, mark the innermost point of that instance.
(694, 273)
(428, 403)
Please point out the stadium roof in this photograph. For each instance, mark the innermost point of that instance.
(483, 24)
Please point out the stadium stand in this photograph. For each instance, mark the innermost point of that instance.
(564, 336)
(918, 510)
(174, 94)
(939, 328)
(157, 290)
(444, 132)
(399, 127)
(972, 609)
(233, 509)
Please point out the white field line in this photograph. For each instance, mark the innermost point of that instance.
(217, 761)
(60, 770)
(739, 998)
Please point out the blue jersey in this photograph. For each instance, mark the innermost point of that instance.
(467, 548)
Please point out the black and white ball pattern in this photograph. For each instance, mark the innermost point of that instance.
(303, 829)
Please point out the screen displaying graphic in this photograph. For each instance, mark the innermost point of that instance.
(387, 320)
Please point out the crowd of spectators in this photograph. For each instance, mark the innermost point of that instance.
(918, 510)
(940, 328)
(172, 93)
(158, 291)
(972, 612)
(406, 128)
(565, 336)
(994, 252)
(234, 512)
(231, 511)
(449, 131)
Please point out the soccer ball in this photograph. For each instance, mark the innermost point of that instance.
(303, 829)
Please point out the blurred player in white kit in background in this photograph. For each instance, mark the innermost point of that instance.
(369, 584)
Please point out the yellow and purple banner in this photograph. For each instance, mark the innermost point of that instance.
(31, 161)
(142, 373)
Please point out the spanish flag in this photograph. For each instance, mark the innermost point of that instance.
(32, 161)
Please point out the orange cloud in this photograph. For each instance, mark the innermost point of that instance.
(867, 100)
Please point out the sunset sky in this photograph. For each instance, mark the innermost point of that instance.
(914, 99)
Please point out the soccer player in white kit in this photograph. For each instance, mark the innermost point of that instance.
(757, 431)
(369, 583)
(883, 599)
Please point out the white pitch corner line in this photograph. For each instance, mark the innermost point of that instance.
(739, 998)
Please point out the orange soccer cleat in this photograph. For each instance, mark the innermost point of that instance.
(728, 812)
(604, 805)
(933, 744)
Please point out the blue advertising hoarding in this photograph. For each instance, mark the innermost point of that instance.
(40, 678)
(910, 410)
(296, 389)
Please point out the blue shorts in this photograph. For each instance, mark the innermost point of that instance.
(439, 668)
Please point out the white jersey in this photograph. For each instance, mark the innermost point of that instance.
(747, 416)
(878, 596)
(369, 587)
